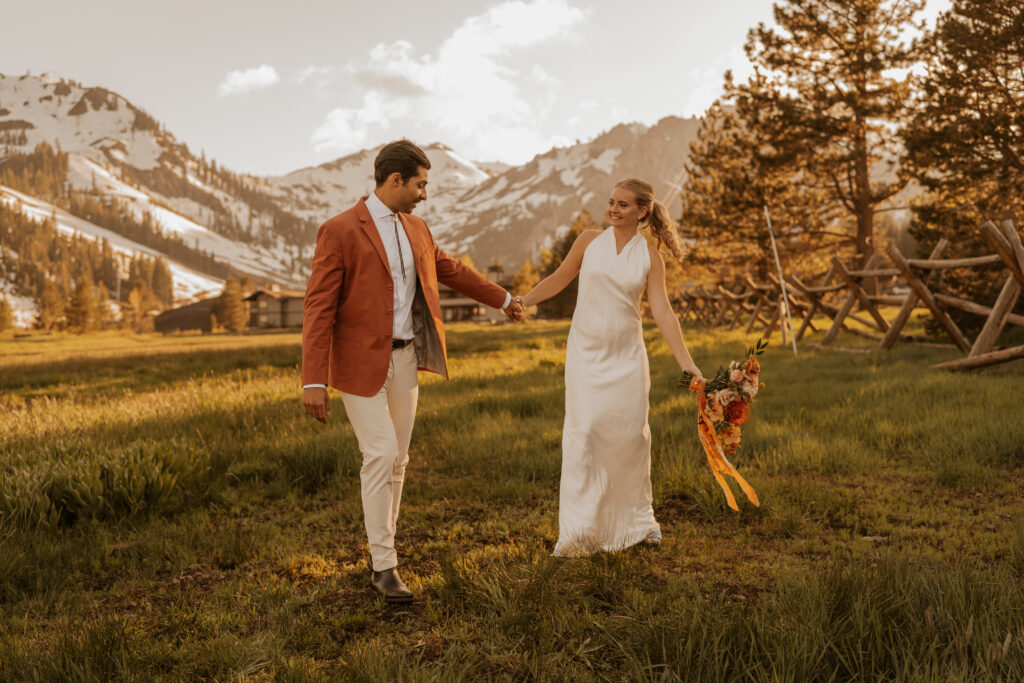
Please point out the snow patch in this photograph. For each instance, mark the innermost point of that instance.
(23, 309)
(571, 177)
(606, 162)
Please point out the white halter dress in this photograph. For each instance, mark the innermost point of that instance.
(605, 492)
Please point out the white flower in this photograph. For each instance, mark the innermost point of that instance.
(727, 396)
(749, 387)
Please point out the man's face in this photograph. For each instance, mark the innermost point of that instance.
(413, 191)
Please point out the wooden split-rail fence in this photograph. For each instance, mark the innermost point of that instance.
(847, 295)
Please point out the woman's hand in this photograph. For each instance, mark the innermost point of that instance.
(698, 381)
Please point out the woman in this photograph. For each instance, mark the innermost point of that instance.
(605, 493)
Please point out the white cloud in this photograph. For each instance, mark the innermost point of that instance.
(712, 78)
(256, 78)
(311, 71)
(467, 90)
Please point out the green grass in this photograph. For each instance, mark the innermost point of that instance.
(168, 512)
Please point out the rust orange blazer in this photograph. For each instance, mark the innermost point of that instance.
(348, 316)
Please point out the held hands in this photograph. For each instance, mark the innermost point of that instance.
(316, 403)
(515, 311)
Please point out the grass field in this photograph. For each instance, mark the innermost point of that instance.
(168, 512)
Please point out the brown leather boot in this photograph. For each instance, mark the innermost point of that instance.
(388, 584)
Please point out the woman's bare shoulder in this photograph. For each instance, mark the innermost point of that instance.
(655, 255)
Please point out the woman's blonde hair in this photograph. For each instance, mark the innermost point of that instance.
(657, 217)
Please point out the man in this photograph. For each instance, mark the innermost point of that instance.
(372, 319)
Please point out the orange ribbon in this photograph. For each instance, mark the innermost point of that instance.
(713, 447)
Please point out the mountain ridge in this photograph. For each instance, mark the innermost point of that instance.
(264, 226)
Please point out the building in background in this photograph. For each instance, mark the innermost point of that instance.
(275, 308)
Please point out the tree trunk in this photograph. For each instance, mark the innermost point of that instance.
(862, 202)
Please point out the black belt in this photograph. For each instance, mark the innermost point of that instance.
(400, 343)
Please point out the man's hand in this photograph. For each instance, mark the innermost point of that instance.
(316, 402)
(515, 311)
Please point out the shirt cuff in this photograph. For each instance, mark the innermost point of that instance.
(314, 386)
(508, 300)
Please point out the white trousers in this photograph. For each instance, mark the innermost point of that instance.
(383, 426)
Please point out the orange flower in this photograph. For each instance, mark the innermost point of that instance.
(731, 436)
(737, 413)
(751, 366)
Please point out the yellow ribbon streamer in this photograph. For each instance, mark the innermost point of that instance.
(716, 455)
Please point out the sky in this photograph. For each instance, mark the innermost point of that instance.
(271, 87)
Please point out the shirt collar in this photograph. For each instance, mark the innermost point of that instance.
(377, 208)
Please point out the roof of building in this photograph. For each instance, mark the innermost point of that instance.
(276, 294)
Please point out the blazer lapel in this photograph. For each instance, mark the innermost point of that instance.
(370, 228)
(416, 240)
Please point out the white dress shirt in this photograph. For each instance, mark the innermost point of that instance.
(399, 251)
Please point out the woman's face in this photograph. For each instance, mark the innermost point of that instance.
(622, 209)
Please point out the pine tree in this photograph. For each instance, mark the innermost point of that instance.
(51, 315)
(734, 171)
(141, 302)
(104, 311)
(965, 142)
(563, 304)
(230, 309)
(829, 67)
(83, 313)
(6, 314)
(163, 282)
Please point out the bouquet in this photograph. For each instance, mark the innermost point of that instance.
(723, 406)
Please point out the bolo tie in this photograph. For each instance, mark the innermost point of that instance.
(401, 258)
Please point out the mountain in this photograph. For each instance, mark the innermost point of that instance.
(319, 192)
(494, 211)
(119, 153)
(510, 216)
(209, 222)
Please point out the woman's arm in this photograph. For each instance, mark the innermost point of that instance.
(563, 275)
(661, 310)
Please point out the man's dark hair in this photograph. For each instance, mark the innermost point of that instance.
(400, 156)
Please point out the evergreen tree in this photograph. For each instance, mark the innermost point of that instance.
(141, 302)
(965, 142)
(6, 314)
(563, 304)
(83, 313)
(51, 314)
(230, 309)
(734, 171)
(830, 68)
(163, 283)
(103, 307)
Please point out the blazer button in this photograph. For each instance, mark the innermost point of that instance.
(387, 336)
(390, 311)
(390, 286)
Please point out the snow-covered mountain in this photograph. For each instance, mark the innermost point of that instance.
(188, 282)
(510, 216)
(119, 152)
(265, 227)
(319, 192)
(494, 211)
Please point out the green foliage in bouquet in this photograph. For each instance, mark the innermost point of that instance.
(721, 379)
